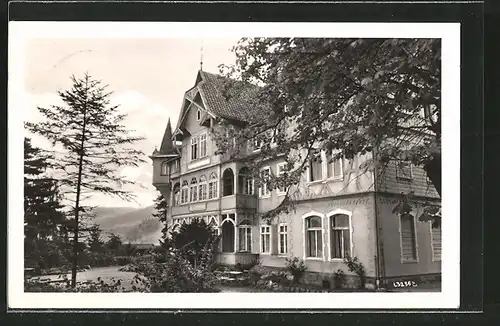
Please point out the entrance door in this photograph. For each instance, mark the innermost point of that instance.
(227, 237)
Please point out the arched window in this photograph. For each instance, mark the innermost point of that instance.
(193, 191)
(340, 236)
(245, 181)
(213, 224)
(184, 192)
(245, 236)
(314, 237)
(228, 182)
(202, 195)
(176, 194)
(164, 168)
(212, 187)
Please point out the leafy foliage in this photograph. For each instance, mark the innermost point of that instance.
(297, 268)
(177, 274)
(354, 265)
(192, 238)
(161, 210)
(88, 132)
(345, 97)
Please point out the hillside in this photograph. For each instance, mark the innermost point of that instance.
(135, 225)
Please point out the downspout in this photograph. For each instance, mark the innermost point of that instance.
(379, 266)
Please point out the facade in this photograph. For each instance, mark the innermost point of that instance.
(343, 210)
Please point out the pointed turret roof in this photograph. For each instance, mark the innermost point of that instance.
(167, 146)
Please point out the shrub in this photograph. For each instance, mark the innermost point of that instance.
(64, 286)
(177, 274)
(354, 265)
(340, 279)
(297, 268)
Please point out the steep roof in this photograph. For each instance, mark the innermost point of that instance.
(167, 146)
(211, 87)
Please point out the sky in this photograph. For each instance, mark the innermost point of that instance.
(148, 78)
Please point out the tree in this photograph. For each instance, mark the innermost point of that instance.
(94, 241)
(114, 243)
(93, 144)
(341, 96)
(42, 207)
(161, 210)
(191, 239)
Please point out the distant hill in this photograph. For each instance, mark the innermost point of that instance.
(135, 225)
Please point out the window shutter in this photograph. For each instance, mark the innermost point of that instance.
(408, 237)
(436, 242)
(274, 239)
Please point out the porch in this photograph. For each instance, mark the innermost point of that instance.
(233, 258)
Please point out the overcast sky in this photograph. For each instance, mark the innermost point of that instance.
(148, 78)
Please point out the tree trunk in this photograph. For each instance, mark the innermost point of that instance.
(77, 204)
(434, 173)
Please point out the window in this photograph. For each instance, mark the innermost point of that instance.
(315, 170)
(202, 195)
(213, 224)
(194, 190)
(314, 240)
(203, 145)
(404, 170)
(256, 144)
(227, 182)
(212, 187)
(335, 169)
(283, 239)
(281, 167)
(164, 168)
(175, 167)
(198, 115)
(340, 239)
(194, 148)
(408, 238)
(245, 236)
(265, 239)
(436, 242)
(264, 191)
(245, 181)
(176, 194)
(184, 192)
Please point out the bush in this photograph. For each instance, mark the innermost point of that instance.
(354, 265)
(177, 274)
(64, 286)
(340, 279)
(297, 268)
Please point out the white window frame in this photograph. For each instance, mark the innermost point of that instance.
(280, 192)
(330, 229)
(215, 183)
(256, 145)
(304, 234)
(248, 245)
(264, 184)
(330, 165)
(176, 167)
(434, 258)
(193, 195)
(267, 231)
(194, 143)
(403, 260)
(202, 189)
(184, 188)
(285, 242)
(164, 168)
(403, 177)
(202, 140)
(308, 170)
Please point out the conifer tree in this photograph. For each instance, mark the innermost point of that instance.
(161, 210)
(93, 143)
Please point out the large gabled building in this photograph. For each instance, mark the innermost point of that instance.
(342, 209)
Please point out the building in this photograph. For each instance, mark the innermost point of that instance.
(342, 210)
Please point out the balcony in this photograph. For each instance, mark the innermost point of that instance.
(239, 201)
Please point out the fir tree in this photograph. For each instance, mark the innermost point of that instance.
(94, 144)
(161, 210)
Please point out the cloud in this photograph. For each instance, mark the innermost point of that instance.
(145, 116)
